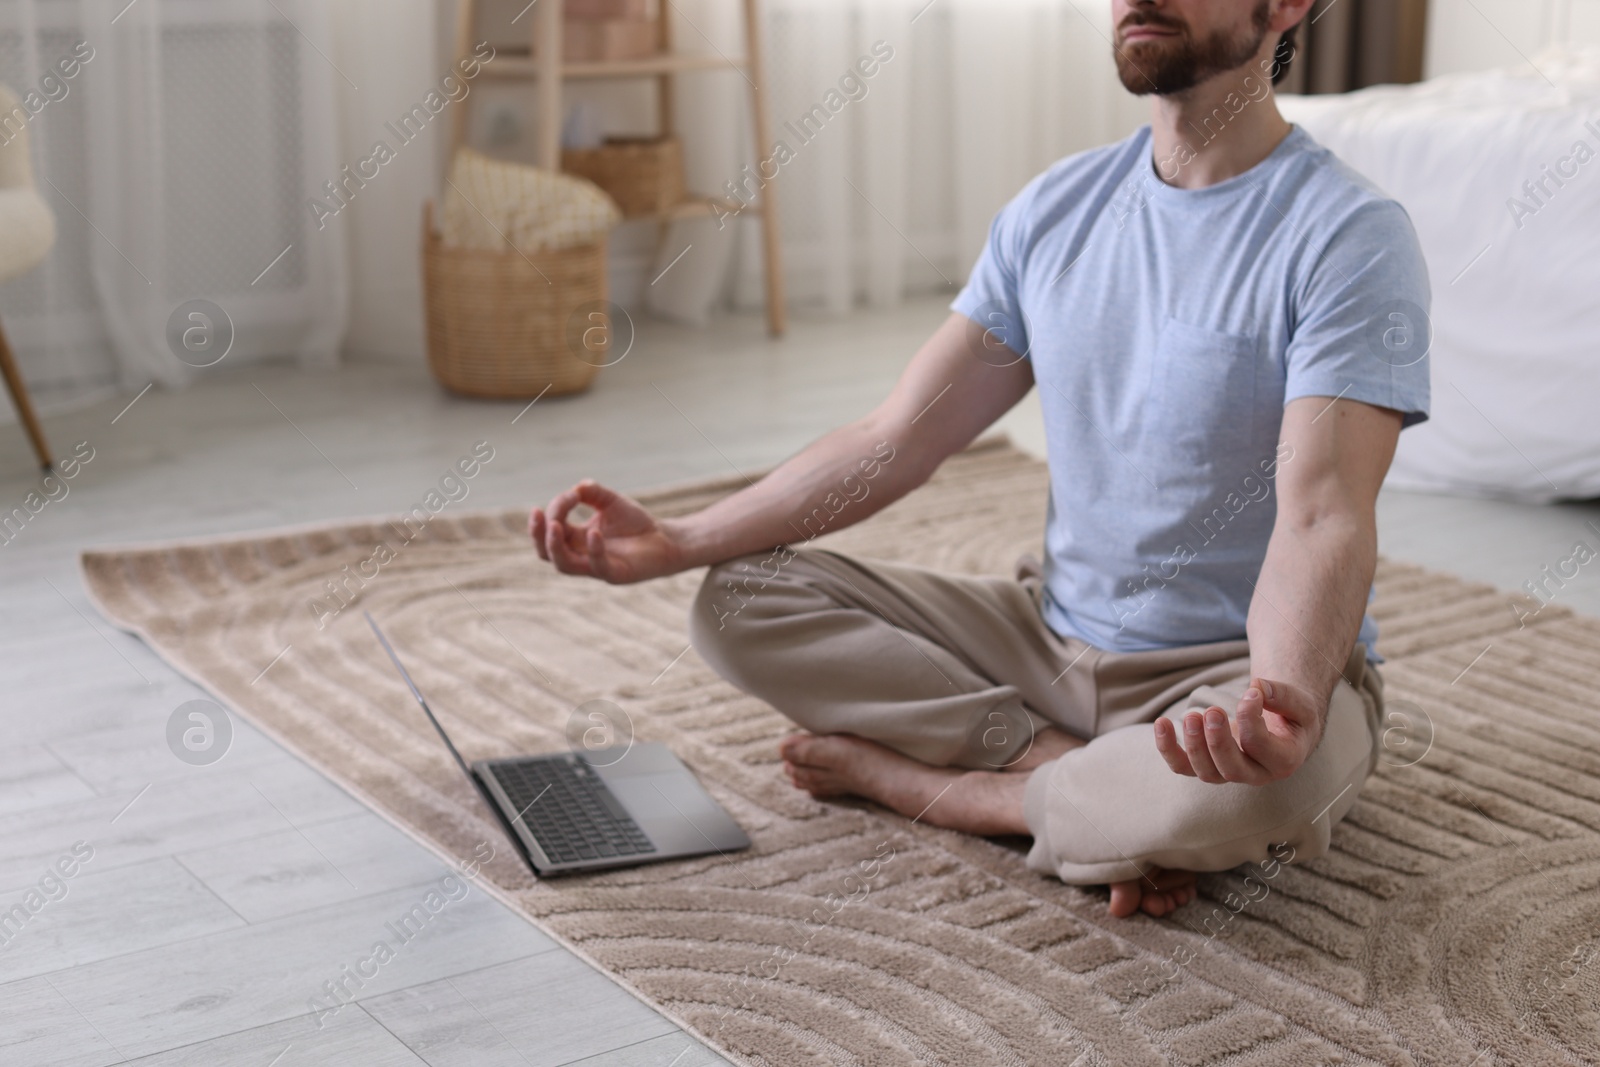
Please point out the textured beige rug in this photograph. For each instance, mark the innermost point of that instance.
(1454, 922)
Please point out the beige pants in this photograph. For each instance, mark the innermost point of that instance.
(962, 671)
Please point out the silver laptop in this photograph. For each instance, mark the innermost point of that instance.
(580, 811)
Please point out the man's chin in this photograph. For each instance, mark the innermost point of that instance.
(1144, 66)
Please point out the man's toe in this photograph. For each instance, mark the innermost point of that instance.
(791, 747)
(1125, 898)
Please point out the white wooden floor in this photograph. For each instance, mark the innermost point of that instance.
(218, 900)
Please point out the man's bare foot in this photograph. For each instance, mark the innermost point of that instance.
(1157, 893)
(975, 802)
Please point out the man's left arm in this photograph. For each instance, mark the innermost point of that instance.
(1309, 599)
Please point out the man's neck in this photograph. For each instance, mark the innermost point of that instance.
(1217, 130)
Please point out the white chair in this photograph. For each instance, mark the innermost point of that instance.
(27, 230)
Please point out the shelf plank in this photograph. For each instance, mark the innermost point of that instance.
(511, 67)
(701, 206)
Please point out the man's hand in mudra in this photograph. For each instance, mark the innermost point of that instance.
(621, 542)
(1272, 733)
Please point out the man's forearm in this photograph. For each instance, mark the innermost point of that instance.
(842, 478)
(838, 480)
(1310, 599)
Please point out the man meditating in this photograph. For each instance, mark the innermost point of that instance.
(1225, 326)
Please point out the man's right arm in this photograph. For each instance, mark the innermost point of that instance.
(952, 390)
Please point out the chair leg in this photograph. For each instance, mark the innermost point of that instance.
(19, 397)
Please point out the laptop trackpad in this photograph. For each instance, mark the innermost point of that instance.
(677, 812)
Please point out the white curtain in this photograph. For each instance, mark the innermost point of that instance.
(185, 152)
(979, 96)
(178, 162)
(894, 195)
(396, 51)
(1468, 35)
(195, 137)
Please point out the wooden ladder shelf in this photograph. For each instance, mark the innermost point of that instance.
(545, 68)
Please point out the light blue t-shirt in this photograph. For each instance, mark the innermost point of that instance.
(1167, 329)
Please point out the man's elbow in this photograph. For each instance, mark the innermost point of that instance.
(1331, 517)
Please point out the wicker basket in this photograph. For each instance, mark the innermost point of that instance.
(644, 175)
(500, 323)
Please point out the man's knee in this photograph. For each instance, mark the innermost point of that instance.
(729, 601)
(715, 605)
(1113, 808)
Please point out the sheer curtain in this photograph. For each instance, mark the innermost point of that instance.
(178, 161)
(894, 195)
(185, 153)
(181, 158)
(1468, 35)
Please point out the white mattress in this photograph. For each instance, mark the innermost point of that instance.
(1516, 294)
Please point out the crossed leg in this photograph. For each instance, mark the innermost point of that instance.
(987, 803)
(923, 692)
(947, 699)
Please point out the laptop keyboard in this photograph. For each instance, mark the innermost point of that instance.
(569, 810)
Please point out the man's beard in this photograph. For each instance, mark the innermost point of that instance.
(1177, 64)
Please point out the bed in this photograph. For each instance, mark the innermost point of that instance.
(1500, 172)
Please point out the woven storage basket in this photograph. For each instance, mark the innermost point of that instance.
(500, 324)
(644, 175)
